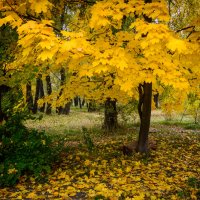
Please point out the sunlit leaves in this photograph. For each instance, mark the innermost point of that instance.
(177, 44)
(157, 11)
(39, 6)
(113, 39)
(107, 13)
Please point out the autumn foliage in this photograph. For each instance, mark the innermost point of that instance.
(109, 52)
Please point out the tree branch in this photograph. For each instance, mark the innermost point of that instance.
(185, 28)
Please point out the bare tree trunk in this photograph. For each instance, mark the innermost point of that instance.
(76, 101)
(3, 90)
(156, 99)
(1, 111)
(29, 96)
(144, 109)
(41, 93)
(91, 106)
(80, 103)
(66, 109)
(83, 102)
(37, 91)
(49, 91)
(110, 115)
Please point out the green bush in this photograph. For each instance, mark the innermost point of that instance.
(24, 151)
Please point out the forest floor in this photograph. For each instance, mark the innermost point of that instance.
(94, 167)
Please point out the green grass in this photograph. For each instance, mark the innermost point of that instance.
(70, 126)
(66, 124)
(185, 124)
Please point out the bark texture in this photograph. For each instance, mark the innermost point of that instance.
(29, 96)
(3, 89)
(144, 110)
(110, 115)
(91, 106)
(49, 91)
(37, 90)
(76, 101)
(39, 93)
(66, 109)
(156, 100)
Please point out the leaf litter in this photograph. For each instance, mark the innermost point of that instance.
(172, 171)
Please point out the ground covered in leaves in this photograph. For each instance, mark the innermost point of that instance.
(172, 171)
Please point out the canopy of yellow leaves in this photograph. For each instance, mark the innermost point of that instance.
(103, 47)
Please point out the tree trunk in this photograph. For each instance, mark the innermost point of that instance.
(37, 93)
(144, 109)
(80, 103)
(49, 91)
(3, 89)
(83, 102)
(41, 93)
(29, 96)
(76, 101)
(91, 106)
(66, 109)
(110, 115)
(156, 99)
(1, 111)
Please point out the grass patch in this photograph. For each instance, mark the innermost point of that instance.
(184, 124)
(63, 124)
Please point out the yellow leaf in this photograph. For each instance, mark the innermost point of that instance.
(139, 197)
(153, 197)
(92, 172)
(177, 44)
(14, 194)
(5, 20)
(55, 194)
(48, 44)
(40, 5)
(87, 162)
(128, 169)
(71, 190)
(31, 195)
(137, 178)
(100, 187)
(46, 55)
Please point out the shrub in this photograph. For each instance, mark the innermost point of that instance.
(24, 151)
